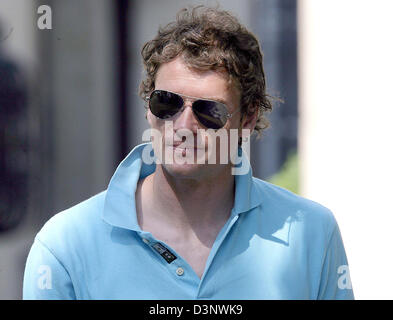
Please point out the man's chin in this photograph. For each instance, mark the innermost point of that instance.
(193, 164)
(186, 170)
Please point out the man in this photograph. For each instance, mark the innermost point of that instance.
(187, 225)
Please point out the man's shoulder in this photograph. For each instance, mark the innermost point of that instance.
(76, 223)
(280, 201)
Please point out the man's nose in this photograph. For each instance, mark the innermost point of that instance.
(186, 119)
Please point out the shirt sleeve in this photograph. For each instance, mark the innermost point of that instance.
(335, 281)
(45, 277)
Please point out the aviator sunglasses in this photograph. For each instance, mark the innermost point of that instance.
(211, 114)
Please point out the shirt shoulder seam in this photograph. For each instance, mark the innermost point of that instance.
(54, 255)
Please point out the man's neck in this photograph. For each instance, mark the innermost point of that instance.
(186, 207)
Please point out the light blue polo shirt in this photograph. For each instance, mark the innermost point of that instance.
(275, 245)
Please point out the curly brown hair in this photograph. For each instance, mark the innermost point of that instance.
(212, 39)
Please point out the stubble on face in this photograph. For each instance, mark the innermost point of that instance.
(180, 146)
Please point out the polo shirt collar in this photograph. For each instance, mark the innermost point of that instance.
(119, 206)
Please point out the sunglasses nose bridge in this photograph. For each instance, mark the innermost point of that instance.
(187, 102)
(186, 118)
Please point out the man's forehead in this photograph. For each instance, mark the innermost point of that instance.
(178, 66)
(178, 76)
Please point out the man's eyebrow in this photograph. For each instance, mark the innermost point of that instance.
(216, 99)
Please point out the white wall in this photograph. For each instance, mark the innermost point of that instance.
(346, 124)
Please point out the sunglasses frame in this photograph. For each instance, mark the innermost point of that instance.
(193, 100)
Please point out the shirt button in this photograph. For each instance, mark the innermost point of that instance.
(179, 271)
(145, 240)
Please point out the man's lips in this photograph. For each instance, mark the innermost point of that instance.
(178, 143)
(180, 146)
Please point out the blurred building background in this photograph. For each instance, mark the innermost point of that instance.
(70, 112)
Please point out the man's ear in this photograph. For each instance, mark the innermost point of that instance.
(148, 116)
(249, 121)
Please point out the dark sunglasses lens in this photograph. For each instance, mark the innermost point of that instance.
(211, 114)
(164, 104)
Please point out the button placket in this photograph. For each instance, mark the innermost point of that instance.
(169, 259)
